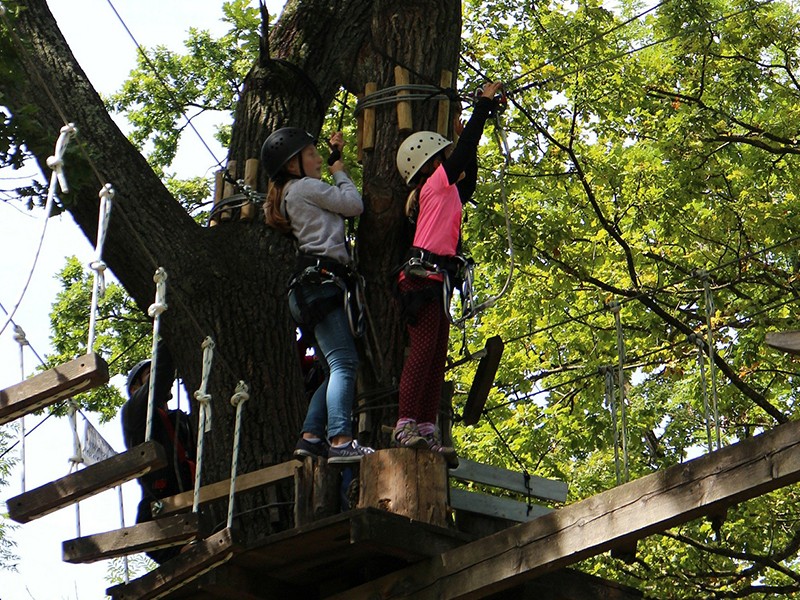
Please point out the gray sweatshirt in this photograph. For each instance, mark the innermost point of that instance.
(316, 211)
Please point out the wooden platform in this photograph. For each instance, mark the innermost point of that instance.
(48, 387)
(328, 556)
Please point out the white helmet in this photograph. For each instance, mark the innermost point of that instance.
(416, 150)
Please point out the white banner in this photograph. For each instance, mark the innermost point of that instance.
(95, 447)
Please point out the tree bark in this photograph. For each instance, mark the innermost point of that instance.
(229, 281)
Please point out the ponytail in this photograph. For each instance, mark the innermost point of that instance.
(272, 206)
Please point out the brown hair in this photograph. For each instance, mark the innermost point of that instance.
(272, 207)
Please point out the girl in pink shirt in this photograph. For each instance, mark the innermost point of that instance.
(442, 183)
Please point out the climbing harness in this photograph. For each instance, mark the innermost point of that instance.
(319, 270)
(204, 421)
(240, 396)
(155, 310)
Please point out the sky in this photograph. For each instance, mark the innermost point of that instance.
(107, 54)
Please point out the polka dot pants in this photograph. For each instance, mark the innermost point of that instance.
(423, 371)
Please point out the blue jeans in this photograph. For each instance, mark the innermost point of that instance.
(330, 410)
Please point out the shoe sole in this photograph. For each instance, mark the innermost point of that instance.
(418, 443)
(303, 454)
(344, 460)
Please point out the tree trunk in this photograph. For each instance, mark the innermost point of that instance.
(229, 281)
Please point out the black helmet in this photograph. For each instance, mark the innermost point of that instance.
(134, 373)
(282, 145)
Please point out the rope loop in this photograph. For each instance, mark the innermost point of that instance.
(241, 394)
(19, 336)
(56, 162)
(160, 305)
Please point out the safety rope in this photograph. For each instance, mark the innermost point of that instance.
(19, 337)
(710, 310)
(240, 396)
(502, 141)
(98, 265)
(614, 307)
(56, 163)
(701, 355)
(608, 376)
(204, 420)
(391, 95)
(155, 311)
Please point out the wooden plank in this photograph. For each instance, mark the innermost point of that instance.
(151, 535)
(495, 506)
(44, 389)
(208, 493)
(785, 341)
(542, 488)
(87, 482)
(629, 512)
(196, 560)
(484, 380)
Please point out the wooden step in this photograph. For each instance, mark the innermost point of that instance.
(484, 380)
(785, 341)
(151, 535)
(221, 489)
(198, 558)
(44, 389)
(87, 482)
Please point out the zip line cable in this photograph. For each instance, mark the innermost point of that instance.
(57, 178)
(120, 209)
(172, 96)
(597, 38)
(691, 29)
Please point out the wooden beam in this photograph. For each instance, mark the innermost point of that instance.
(44, 389)
(785, 341)
(87, 482)
(208, 493)
(151, 535)
(629, 512)
(197, 559)
(544, 489)
(495, 506)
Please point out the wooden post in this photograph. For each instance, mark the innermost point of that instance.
(405, 481)
(228, 189)
(248, 212)
(316, 491)
(404, 120)
(360, 133)
(219, 183)
(368, 142)
(443, 119)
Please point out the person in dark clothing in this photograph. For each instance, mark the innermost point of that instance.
(170, 428)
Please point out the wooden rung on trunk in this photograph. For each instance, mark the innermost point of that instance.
(221, 489)
(196, 560)
(495, 506)
(87, 482)
(151, 535)
(44, 389)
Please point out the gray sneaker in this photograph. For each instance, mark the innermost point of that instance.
(351, 453)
